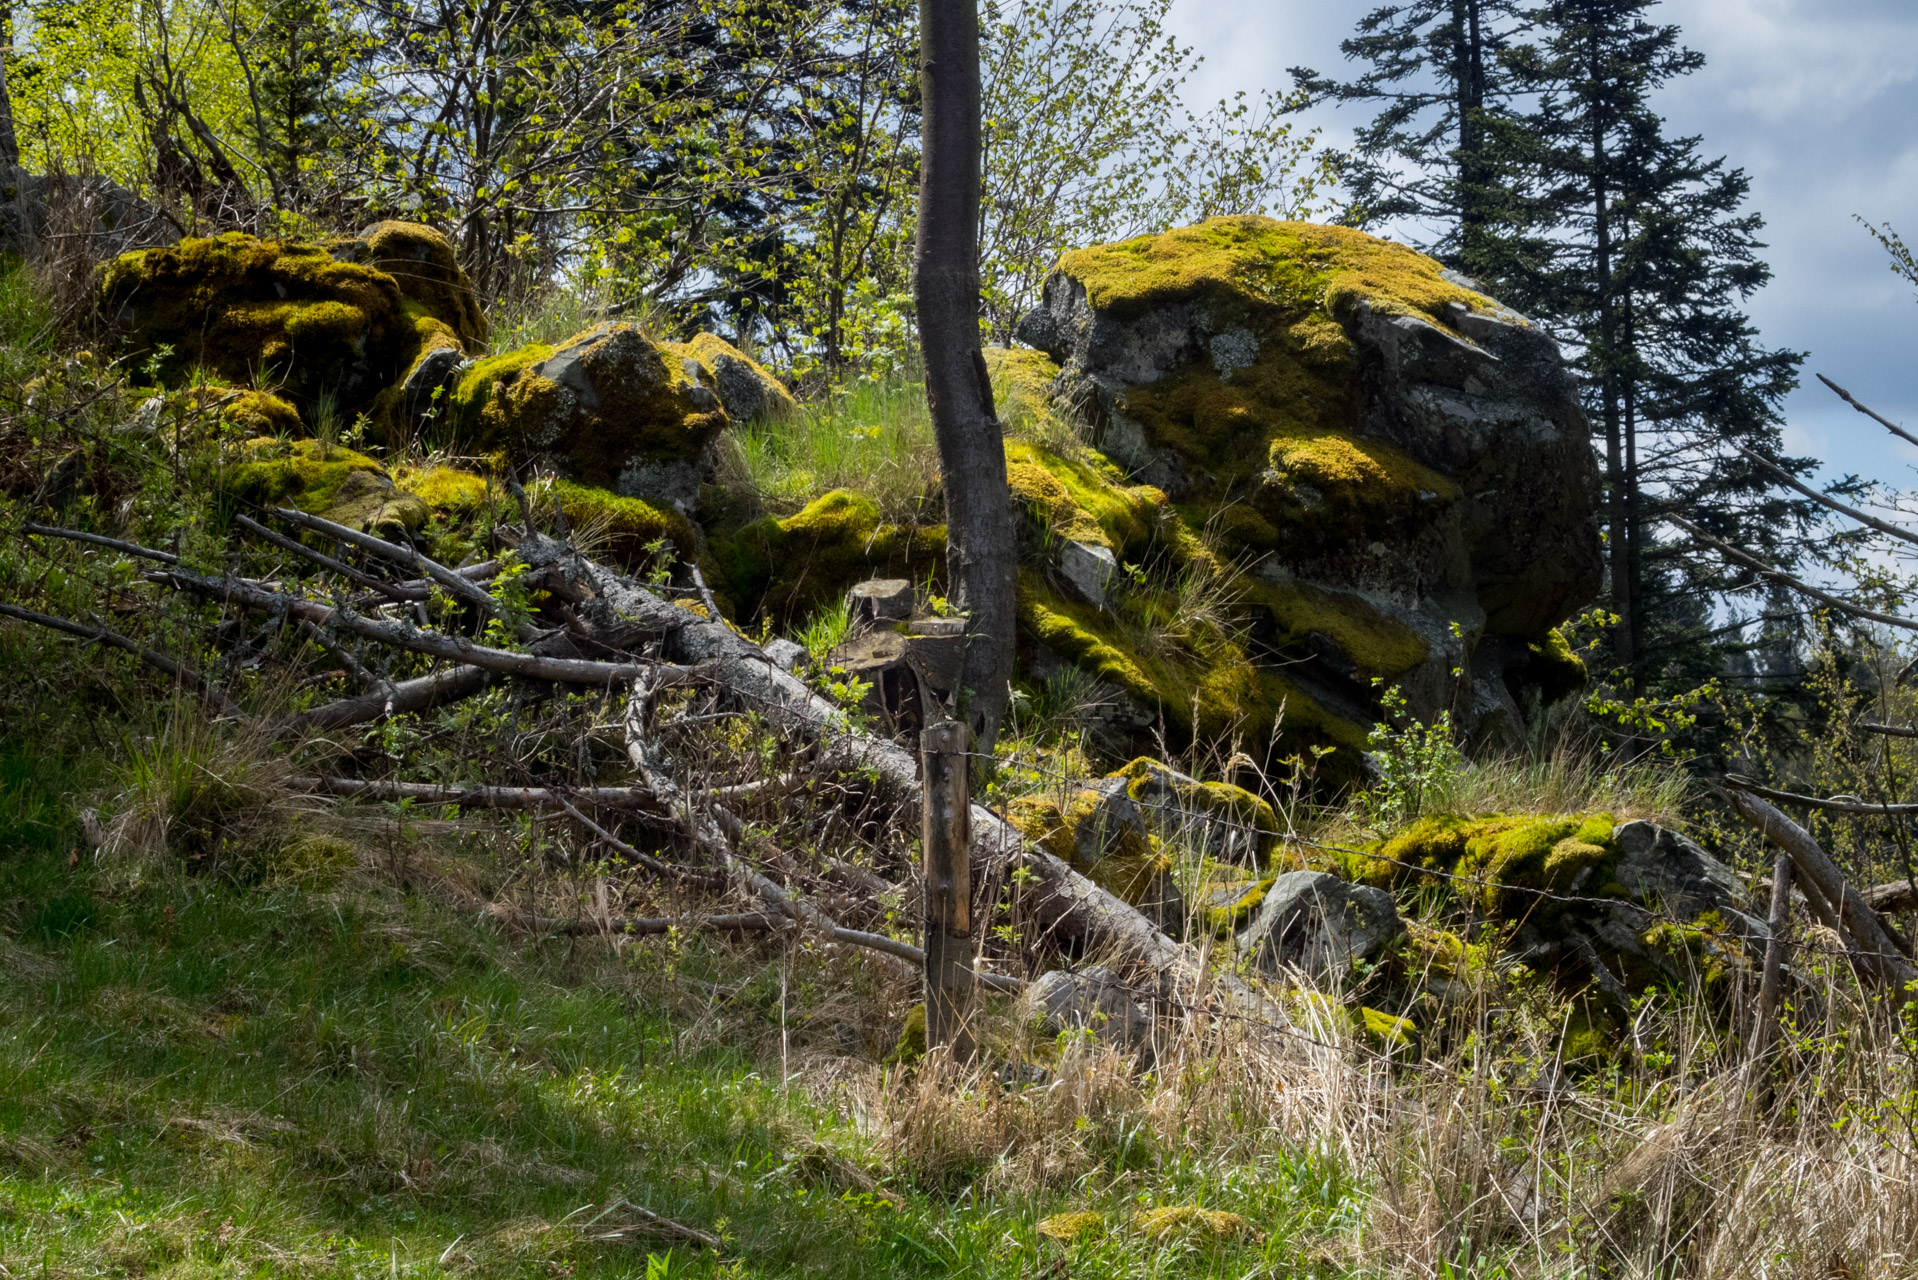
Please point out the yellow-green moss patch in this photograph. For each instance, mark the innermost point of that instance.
(724, 365)
(330, 481)
(1375, 644)
(1072, 500)
(626, 527)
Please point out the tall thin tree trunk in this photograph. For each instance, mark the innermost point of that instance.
(980, 556)
(1469, 72)
(1634, 499)
(1616, 481)
(9, 140)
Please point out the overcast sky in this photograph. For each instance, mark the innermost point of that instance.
(1816, 99)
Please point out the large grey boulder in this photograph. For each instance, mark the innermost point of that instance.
(1405, 459)
(1314, 922)
(1671, 871)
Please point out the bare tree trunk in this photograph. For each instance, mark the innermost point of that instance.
(972, 460)
(9, 140)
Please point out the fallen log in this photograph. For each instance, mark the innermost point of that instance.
(472, 797)
(403, 698)
(1067, 904)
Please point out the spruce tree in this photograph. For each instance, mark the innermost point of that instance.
(1431, 153)
(1638, 251)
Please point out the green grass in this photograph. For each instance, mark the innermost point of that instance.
(872, 436)
(204, 1078)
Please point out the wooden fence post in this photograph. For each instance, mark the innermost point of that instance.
(1771, 985)
(946, 805)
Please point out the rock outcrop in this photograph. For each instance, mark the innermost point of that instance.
(1318, 924)
(316, 322)
(1403, 460)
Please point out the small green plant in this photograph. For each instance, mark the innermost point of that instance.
(1417, 763)
(824, 632)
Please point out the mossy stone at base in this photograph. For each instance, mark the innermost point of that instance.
(1553, 668)
(911, 1046)
(627, 527)
(332, 482)
(789, 569)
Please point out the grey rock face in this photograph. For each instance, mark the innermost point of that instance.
(1670, 871)
(1093, 999)
(1087, 568)
(787, 655)
(115, 220)
(436, 369)
(748, 394)
(1315, 922)
(1503, 546)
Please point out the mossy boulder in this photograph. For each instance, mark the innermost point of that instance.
(312, 322)
(1223, 822)
(1402, 460)
(330, 481)
(748, 393)
(1625, 906)
(1096, 828)
(609, 409)
(788, 569)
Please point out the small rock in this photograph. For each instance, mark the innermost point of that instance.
(1088, 568)
(787, 655)
(1092, 999)
(1318, 923)
(879, 600)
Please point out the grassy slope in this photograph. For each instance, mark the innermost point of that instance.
(197, 1079)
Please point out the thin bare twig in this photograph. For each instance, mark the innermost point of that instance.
(152, 657)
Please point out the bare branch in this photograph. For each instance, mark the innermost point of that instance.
(1785, 579)
(432, 643)
(1869, 521)
(152, 657)
(393, 591)
(130, 548)
(1880, 419)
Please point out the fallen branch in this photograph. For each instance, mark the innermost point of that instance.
(1895, 898)
(1834, 804)
(653, 1224)
(401, 699)
(470, 797)
(392, 591)
(130, 548)
(1889, 730)
(1068, 904)
(1869, 943)
(403, 636)
(152, 657)
(658, 866)
(741, 922)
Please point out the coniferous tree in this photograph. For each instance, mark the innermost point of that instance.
(1521, 144)
(1431, 154)
(1638, 251)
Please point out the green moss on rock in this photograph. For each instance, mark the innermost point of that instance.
(788, 569)
(425, 266)
(1554, 668)
(248, 310)
(1073, 500)
(335, 483)
(626, 527)
(748, 392)
(1375, 645)
(610, 408)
